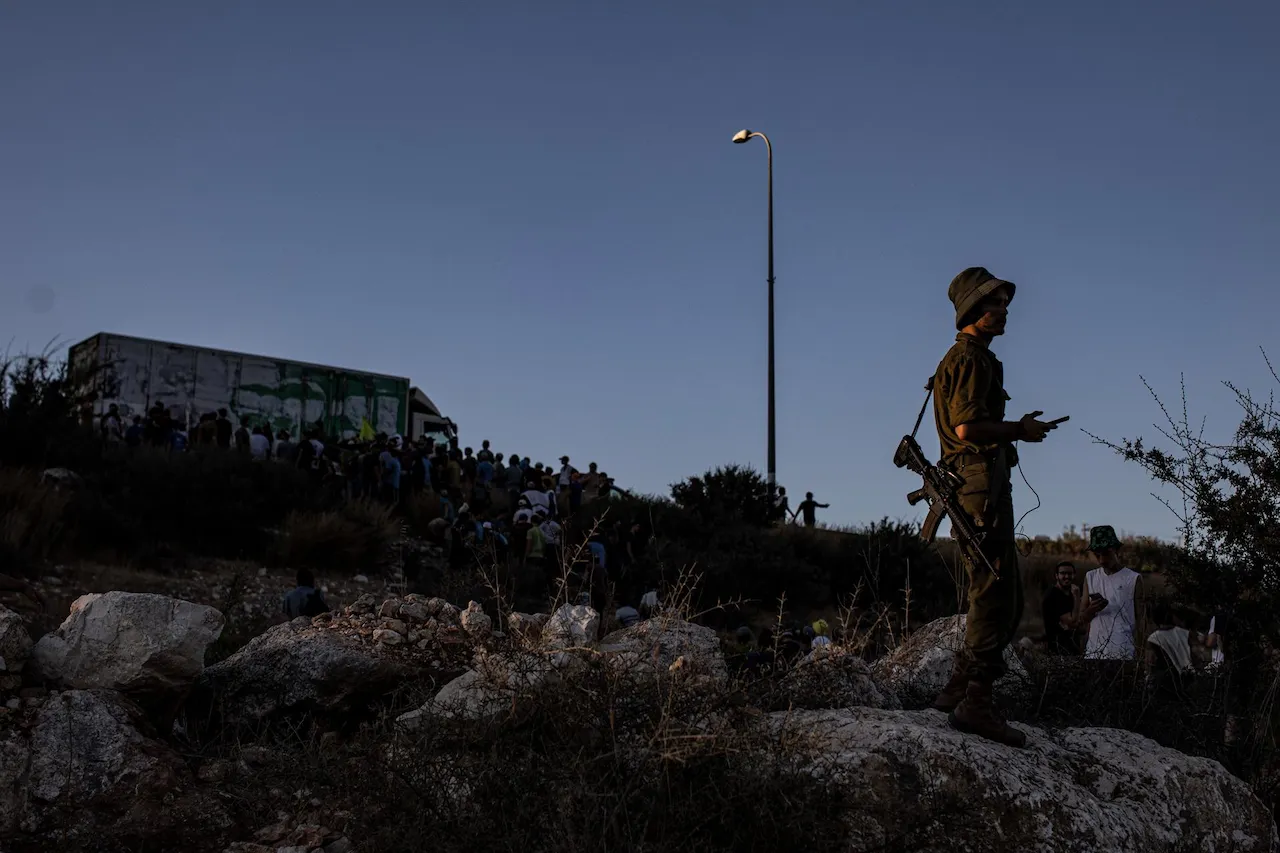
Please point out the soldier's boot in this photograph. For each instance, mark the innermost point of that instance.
(953, 693)
(977, 715)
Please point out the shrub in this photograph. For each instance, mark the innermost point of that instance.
(32, 518)
(358, 534)
(729, 494)
(1229, 564)
(420, 509)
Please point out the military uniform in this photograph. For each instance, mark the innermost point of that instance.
(969, 387)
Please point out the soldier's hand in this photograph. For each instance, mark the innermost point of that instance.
(1034, 430)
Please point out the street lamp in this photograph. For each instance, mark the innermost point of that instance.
(740, 137)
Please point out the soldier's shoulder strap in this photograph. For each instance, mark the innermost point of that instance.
(928, 389)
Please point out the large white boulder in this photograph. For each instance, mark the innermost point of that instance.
(924, 786)
(492, 688)
(923, 664)
(833, 678)
(662, 641)
(88, 770)
(137, 643)
(297, 666)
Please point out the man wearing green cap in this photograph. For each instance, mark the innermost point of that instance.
(1119, 592)
(978, 444)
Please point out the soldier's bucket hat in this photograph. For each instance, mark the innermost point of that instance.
(971, 287)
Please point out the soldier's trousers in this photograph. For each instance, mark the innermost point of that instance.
(995, 600)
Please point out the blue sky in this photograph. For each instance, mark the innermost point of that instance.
(536, 213)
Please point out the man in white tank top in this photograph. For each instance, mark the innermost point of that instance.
(1111, 629)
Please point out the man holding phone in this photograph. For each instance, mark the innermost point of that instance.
(978, 444)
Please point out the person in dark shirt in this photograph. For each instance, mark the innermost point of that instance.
(304, 599)
(224, 430)
(133, 437)
(469, 466)
(808, 508)
(242, 435)
(1059, 607)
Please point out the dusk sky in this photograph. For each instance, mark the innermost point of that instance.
(535, 212)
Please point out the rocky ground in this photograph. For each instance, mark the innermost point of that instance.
(402, 721)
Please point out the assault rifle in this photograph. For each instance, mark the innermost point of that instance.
(941, 490)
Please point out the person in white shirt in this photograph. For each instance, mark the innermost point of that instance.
(259, 444)
(1111, 629)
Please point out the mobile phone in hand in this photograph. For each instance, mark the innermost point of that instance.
(1061, 420)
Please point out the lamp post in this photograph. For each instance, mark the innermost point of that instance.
(740, 137)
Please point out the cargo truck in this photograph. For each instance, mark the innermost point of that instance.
(137, 373)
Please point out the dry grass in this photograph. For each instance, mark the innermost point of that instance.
(32, 517)
(355, 537)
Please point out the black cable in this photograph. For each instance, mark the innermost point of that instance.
(1022, 473)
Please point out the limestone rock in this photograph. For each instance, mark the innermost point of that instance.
(475, 622)
(834, 679)
(296, 666)
(936, 790)
(388, 637)
(661, 642)
(136, 643)
(921, 666)
(490, 689)
(15, 642)
(14, 758)
(571, 625)
(91, 758)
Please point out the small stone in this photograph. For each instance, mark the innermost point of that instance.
(475, 621)
(360, 579)
(262, 571)
(321, 619)
(390, 607)
(273, 833)
(388, 637)
(449, 615)
(414, 611)
(413, 637)
(424, 644)
(342, 845)
(308, 836)
(395, 625)
(13, 704)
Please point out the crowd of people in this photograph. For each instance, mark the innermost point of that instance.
(509, 507)
(1104, 618)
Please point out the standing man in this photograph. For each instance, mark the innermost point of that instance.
(1061, 611)
(808, 510)
(1112, 600)
(978, 444)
